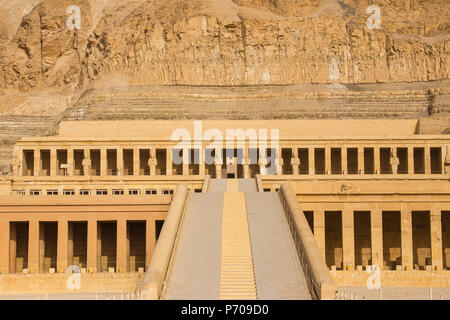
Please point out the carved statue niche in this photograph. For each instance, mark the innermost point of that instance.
(152, 162)
(394, 161)
(295, 162)
(87, 164)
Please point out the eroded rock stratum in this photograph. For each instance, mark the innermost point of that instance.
(294, 58)
(222, 42)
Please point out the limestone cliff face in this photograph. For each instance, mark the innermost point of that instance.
(223, 42)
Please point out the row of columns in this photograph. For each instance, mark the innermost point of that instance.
(262, 161)
(35, 245)
(348, 241)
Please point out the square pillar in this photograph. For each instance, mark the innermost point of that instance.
(279, 160)
(19, 164)
(12, 248)
(186, 161)
(169, 162)
(33, 246)
(295, 161)
(70, 245)
(376, 160)
(136, 162)
(361, 160)
(410, 160)
(344, 160)
(92, 246)
(119, 162)
(4, 247)
(327, 160)
(70, 162)
(62, 250)
(42, 247)
(436, 239)
(348, 239)
(53, 163)
(103, 162)
(311, 160)
(150, 241)
(122, 254)
(427, 160)
(376, 232)
(202, 164)
(407, 241)
(319, 230)
(37, 162)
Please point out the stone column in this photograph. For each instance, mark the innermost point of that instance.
(410, 160)
(186, 152)
(376, 230)
(169, 161)
(202, 167)
(33, 246)
(53, 162)
(327, 160)
(92, 246)
(279, 160)
(62, 251)
(218, 162)
(17, 162)
(361, 160)
(12, 247)
(376, 160)
(427, 160)
(246, 161)
(262, 162)
(122, 254)
(103, 162)
(119, 162)
(37, 162)
(295, 161)
(150, 239)
(42, 248)
(311, 160)
(407, 240)
(152, 162)
(70, 162)
(344, 160)
(4, 246)
(348, 239)
(70, 245)
(436, 239)
(319, 229)
(136, 162)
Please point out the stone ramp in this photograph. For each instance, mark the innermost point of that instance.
(217, 185)
(235, 243)
(195, 272)
(247, 185)
(278, 272)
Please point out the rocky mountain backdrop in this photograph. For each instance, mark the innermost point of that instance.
(47, 68)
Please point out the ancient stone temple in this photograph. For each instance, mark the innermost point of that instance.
(373, 193)
(225, 149)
